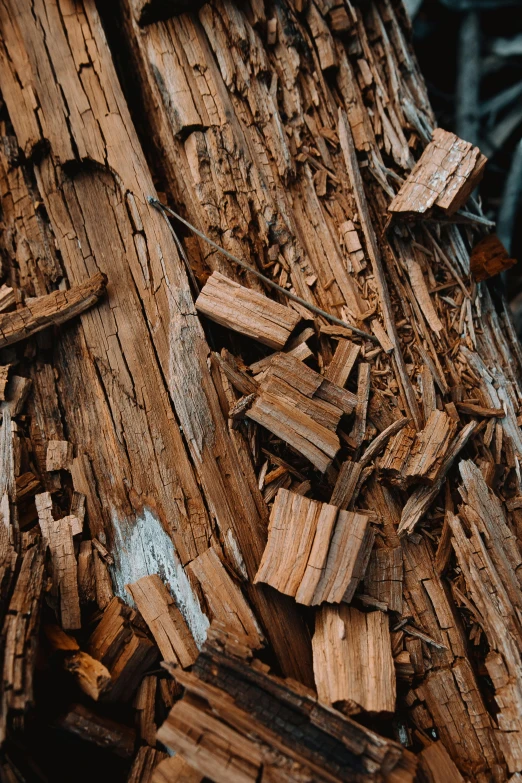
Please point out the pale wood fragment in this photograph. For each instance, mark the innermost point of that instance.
(429, 448)
(343, 361)
(315, 551)
(353, 662)
(146, 764)
(57, 534)
(175, 770)
(246, 311)
(165, 621)
(59, 455)
(223, 596)
(447, 172)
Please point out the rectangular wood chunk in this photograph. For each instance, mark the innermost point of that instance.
(223, 597)
(447, 172)
(315, 551)
(165, 621)
(243, 310)
(353, 663)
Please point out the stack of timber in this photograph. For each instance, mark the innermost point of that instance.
(245, 535)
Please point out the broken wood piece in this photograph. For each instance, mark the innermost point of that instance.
(473, 409)
(7, 297)
(306, 424)
(174, 769)
(342, 363)
(315, 551)
(165, 621)
(145, 706)
(352, 246)
(382, 336)
(445, 175)
(429, 448)
(16, 394)
(244, 310)
(353, 663)
(90, 674)
(146, 764)
(4, 377)
(57, 534)
(247, 744)
(488, 258)
(421, 499)
(122, 647)
(59, 455)
(223, 596)
(51, 310)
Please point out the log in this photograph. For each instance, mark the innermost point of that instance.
(374, 382)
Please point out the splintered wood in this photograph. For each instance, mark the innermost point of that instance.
(201, 490)
(246, 311)
(274, 728)
(165, 621)
(315, 552)
(353, 661)
(446, 174)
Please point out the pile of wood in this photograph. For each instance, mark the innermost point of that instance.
(277, 536)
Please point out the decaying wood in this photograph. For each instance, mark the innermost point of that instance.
(223, 597)
(387, 458)
(353, 662)
(446, 174)
(122, 647)
(53, 309)
(246, 311)
(315, 551)
(247, 742)
(165, 621)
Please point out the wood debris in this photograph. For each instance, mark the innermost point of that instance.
(332, 492)
(446, 174)
(353, 661)
(165, 621)
(328, 745)
(246, 311)
(315, 551)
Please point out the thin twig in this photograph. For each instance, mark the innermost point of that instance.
(317, 310)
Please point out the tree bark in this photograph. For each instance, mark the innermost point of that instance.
(282, 132)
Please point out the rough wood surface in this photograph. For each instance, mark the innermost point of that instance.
(246, 311)
(353, 662)
(446, 174)
(166, 623)
(489, 257)
(53, 309)
(315, 551)
(282, 133)
(326, 746)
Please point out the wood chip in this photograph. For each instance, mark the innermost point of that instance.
(315, 551)
(244, 310)
(353, 662)
(165, 621)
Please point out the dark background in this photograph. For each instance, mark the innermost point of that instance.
(470, 52)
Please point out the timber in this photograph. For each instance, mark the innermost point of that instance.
(282, 545)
